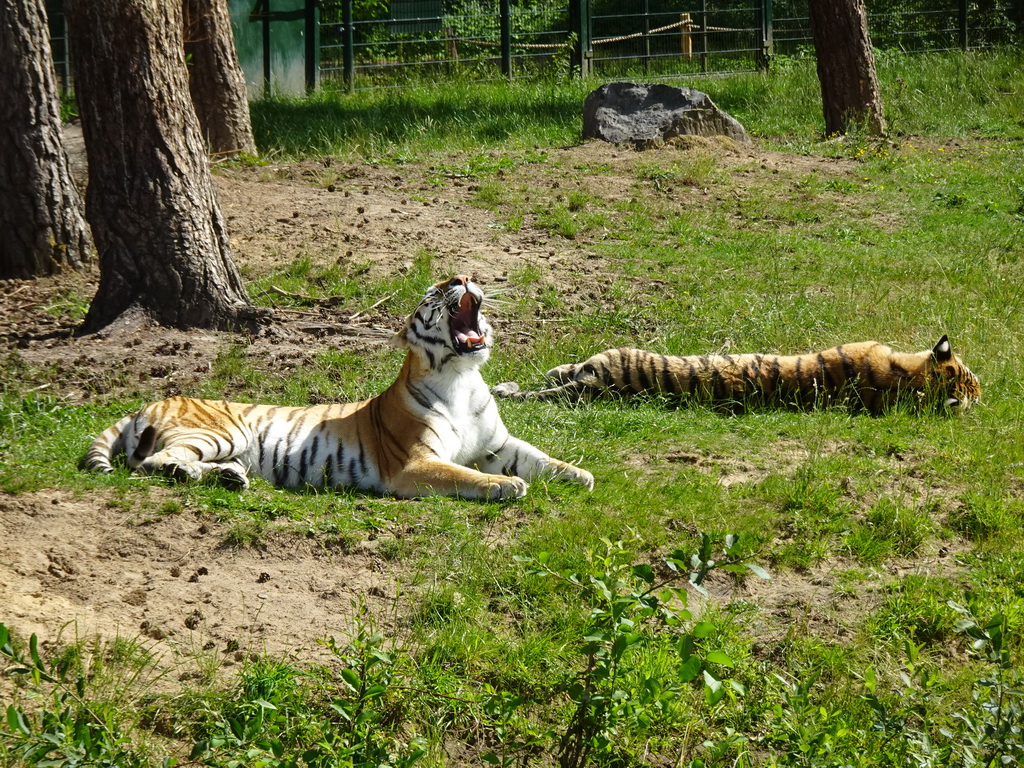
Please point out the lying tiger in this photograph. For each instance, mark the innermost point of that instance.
(867, 375)
(435, 430)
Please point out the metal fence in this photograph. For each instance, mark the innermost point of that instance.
(914, 26)
(398, 43)
(426, 40)
(373, 45)
(59, 43)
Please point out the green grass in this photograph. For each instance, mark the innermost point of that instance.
(409, 125)
(879, 531)
(951, 96)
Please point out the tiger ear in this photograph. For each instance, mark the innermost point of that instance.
(942, 351)
(398, 341)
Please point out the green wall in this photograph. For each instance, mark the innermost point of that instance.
(270, 36)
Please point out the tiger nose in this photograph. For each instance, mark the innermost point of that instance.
(459, 280)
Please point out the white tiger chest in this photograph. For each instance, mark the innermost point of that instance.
(464, 422)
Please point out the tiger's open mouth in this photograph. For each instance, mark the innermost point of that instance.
(465, 325)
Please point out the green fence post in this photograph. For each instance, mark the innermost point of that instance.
(767, 36)
(312, 35)
(964, 42)
(579, 24)
(59, 43)
(348, 40)
(265, 18)
(505, 9)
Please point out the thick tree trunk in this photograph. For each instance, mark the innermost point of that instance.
(846, 66)
(42, 225)
(216, 79)
(162, 241)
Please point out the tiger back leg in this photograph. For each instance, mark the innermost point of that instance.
(573, 390)
(575, 381)
(230, 474)
(562, 374)
(185, 459)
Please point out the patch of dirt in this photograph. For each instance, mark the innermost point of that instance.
(728, 470)
(76, 564)
(75, 567)
(783, 458)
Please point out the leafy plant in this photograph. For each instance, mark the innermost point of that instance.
(807, 733)
(905, 719)
(368, 673)
(63, 729)
(993, 732)
(632, 610)
(277, 724)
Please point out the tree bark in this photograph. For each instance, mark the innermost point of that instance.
(162, 242)
(846, 66)
(42, 224)
(216, 80)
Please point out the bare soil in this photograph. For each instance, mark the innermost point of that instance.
(79, 565)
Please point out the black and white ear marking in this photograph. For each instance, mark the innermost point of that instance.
(952, 402)
(942, 351)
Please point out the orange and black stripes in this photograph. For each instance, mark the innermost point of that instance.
(865, 374)
(436, 429)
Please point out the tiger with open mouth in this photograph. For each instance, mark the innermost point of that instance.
(435, 430)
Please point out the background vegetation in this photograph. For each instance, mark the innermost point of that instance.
(634, 626)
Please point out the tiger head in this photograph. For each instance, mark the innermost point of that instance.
(954, 379)
(448, 327)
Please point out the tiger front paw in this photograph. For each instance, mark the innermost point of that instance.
(570, 473)
(581, 477)
(506, 488)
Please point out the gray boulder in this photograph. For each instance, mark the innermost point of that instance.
(650, 114)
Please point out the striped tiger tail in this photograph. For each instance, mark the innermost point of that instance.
(109, 444)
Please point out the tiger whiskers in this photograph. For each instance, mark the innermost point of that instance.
(449, 296)
(491, 301)
(500, 290)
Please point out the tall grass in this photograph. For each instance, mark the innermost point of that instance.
(409, 124)
(949, 95)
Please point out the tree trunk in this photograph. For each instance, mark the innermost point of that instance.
(216, 79)
(42, 226)
(162, 241)
(846, 66)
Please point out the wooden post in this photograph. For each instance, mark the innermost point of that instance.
(764, 55)
(450, 44)
(685, 38)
